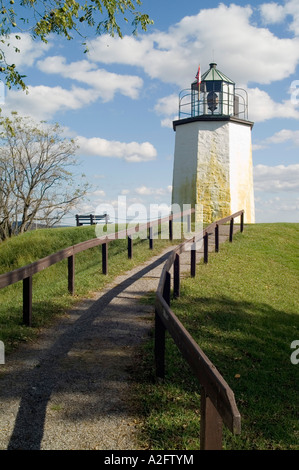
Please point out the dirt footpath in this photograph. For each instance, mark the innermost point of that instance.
(69, 389)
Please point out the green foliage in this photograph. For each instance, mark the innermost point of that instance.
(42, 18)
(36, 244)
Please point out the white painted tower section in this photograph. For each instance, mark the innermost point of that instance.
(213, 167)
(241, 172)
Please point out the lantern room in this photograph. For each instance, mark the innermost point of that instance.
(215, 95)
(212, 168)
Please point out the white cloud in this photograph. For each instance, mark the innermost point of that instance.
(104, 83)
(173, 56)
(283, 136)
(98, 193)
(84, 208)
(274, 13)
(42, 102)
(276, 209)
(280, 137)
(263, 107)
(29, 50)
(124, 50)
(256, 147)
(131, 152)
(148, 191)
(292, 8)
(167, 122)
(144, 191)
(276, 178)
(167, 105)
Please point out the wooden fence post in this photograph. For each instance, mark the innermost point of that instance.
(231, 229)
(166, 290)
(105, 258)
(193, 258)
(242, 222)
(210, 424)
(71, 274)
(216, 238)
(170, 229)
(130, 247)
(151, 241)
(27, 301)
(160, 333)
(206, 247)
(176, 275)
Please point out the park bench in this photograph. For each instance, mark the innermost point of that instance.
(91, 219)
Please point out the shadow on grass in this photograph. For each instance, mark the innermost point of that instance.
(249, 343)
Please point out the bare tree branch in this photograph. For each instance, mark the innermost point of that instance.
(36, 175)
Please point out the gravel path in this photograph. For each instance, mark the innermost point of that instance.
(69, 389)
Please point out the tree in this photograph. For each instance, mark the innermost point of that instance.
(36, 181)
(43, 17)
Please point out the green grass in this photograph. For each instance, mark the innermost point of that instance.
(242, 308)
(50, 294)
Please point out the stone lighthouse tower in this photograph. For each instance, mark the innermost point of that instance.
(213, 155)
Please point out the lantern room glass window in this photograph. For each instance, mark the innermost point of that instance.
(215, 96)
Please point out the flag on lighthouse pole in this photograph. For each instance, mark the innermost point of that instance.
(198, 77)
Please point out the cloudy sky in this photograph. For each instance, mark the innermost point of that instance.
(119, 99)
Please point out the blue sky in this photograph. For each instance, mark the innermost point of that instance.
(120, 99)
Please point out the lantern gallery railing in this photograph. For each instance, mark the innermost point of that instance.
(192, 103)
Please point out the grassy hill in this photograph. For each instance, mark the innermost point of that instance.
(242, 308)
(50, 294)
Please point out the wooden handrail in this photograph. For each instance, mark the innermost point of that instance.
(19, 274)
(25, 273)
(218, 400)
(216, 387)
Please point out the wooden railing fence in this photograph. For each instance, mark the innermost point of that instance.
(218, 404)
(26, 273)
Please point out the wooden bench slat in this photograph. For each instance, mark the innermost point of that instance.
(90, 219)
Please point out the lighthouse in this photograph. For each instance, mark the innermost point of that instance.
(213, 153)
